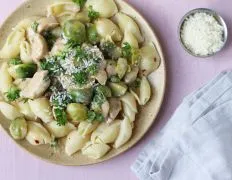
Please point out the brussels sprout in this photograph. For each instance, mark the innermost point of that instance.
(92, 34)
(109, 49)
(118, 89)
(18, 128)
(81, 95)
(23, 70)
(106, 91)
(74, 31)
(121, 67)
(77, 112)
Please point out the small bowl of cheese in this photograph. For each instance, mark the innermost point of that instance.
(202, 32)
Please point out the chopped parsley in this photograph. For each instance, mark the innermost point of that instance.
(95, 116)
(52, 65)
(61, 116)
(13, 94)
(93, 69)
(130, 53)
(81, 77)
(15, 61)
(126, 50)
(34, 26)
(50, 38)
(81, 3)
(93, 14)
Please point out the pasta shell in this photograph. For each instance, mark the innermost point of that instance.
(127, 24)
(41, 108)
(121, 67)
(128, 112)
(26, 23)
(131, 39)
(85, 128)
(25, 109)
(60, 131)
(106, 133)
(145, 91)
(9, 111)
(75, 142)
(129, 99)
(63, 9)
(125, 133)
(25, 52)
(5, 78)
(106, 8)
(11, 48)
(37, 134)
(106, 28)
(95, 151)
(150, 59)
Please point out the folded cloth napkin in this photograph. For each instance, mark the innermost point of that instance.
(196, 143)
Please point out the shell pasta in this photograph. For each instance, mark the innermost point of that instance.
(76, 77)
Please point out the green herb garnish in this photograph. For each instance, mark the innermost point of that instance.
(81, 3)
(52, 64)
(80, 77)
(13, 94)
(93, 69)
(126, 50)
(93, 14)
(15, 61)
(61, 116)
(34, 26)
(130, 53)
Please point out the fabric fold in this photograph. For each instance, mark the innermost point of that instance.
(173, 148)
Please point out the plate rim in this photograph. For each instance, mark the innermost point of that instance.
(163, 60)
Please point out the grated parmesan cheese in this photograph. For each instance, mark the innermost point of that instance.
(202, 34)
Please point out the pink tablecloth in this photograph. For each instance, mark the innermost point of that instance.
(185, 73)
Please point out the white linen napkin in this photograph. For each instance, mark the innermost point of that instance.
(196, 143)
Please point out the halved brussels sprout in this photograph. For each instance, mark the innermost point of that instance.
(104, 90)
(81, 95)
(92, 34)
(74, 31)
(118, 89)
(18, 128)
(77, 112)
(23, 70)
(121, 67)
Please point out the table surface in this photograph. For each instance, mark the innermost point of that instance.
(185, 74)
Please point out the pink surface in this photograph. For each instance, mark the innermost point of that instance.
(185, 74)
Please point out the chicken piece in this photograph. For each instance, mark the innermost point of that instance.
(22, 83)
(58, 46)
(111, 68)
(115, 108)
(37, 85)
(101, 77)
(39, 47)
(47, 23)
(105, 107)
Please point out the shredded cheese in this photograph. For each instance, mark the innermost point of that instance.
(202, 34)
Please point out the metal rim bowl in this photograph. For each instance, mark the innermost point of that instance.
(219, 19)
